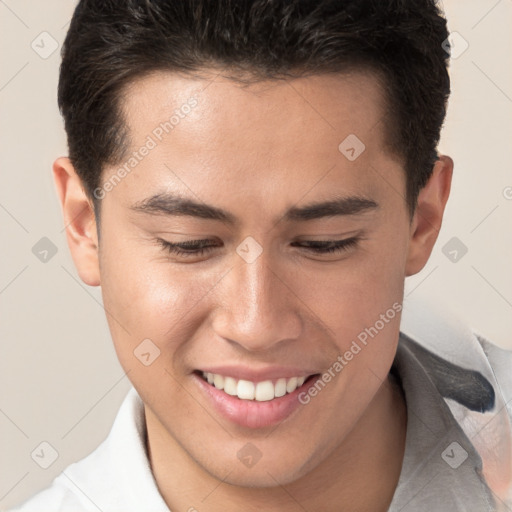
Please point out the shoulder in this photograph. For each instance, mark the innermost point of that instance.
(474, 378)
(83, 486)
(60, 496)
(87, 484)
(115, 477)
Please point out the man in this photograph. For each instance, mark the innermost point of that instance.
(250, 183)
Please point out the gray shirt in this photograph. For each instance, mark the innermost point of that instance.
(441, 468)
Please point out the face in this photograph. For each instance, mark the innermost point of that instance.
(306, 238)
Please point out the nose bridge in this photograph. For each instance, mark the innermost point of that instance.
(259, 309)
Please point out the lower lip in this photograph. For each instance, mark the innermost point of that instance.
(251, 413)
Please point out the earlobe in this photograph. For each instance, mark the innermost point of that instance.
(428, 215)
(79, 219)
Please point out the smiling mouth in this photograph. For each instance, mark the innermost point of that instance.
(262, 391)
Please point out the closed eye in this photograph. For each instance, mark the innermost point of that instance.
(201, 247)
(330, 246)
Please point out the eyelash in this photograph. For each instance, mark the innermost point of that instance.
(200, 247)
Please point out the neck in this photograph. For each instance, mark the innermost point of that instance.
(361, 474)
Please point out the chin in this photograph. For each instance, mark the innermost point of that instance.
(270, 472)
(265, 477)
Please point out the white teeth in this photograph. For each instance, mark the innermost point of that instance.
(264, 391)
(218, 381)
(247, 390)
(230, 386)
(291, 384)
(280, 388)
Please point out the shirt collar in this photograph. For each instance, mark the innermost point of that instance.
(441, 469)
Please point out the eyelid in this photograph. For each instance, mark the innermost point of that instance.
(191, 248)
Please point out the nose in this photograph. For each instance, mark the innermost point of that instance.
(258, 308)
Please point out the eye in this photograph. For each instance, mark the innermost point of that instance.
(201, 247)
(330, 246)
(188, 248)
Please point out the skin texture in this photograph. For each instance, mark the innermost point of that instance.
(255, 152)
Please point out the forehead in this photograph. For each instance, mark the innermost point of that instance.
(213, 137)
(333, 102)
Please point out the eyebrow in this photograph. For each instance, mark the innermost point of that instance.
(173, 205)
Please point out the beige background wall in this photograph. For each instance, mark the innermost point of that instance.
(59, 377)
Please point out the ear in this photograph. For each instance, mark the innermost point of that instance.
(428, 215)
(79, 219)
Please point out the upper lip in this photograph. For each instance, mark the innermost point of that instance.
(259, 374)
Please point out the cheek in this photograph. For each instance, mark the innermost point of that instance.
(352, 295)
(146, 297)
(361, 302)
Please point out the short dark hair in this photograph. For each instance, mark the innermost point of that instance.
(112, 42)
